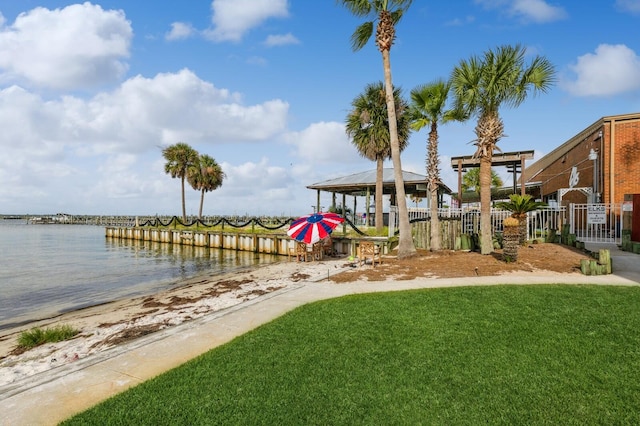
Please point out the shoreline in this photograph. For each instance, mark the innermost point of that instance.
(34, 322)
(111, 325)
(107, 325)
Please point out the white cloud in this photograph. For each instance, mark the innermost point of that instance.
(632, 6)
(271, 187)
(172, 107)
(324, 142)
(233, 18)
(180, 31)
(458, 22)
(281, 40)
(79, 46)
(105, 147)
(612, 69)
(538, 11)
(256, 60)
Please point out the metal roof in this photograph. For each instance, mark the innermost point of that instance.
(356, 183)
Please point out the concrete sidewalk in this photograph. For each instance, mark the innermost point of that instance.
(625, 264)
(57, 394)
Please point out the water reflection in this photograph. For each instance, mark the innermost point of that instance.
(190, 260)
(48, 269)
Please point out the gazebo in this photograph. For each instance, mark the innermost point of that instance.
(514, 161)
(364, 184)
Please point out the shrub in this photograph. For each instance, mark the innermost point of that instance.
(38, 336)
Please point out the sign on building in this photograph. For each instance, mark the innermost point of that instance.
(596, 214)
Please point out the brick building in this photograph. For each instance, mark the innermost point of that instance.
(600, 164)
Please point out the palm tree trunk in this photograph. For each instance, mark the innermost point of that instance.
(510, 243)
(379, 177)
(184, 204)
(522, 230)
(433, 174)
(436, 243)
(486, 239)
(201, 204)
(406, 247)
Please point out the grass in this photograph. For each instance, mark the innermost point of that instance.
(39, 336)
(478, 355)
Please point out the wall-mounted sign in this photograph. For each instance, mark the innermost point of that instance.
(627, 206)
(574, 178)
(596, 214)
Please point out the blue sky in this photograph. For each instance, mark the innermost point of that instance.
(91, 92)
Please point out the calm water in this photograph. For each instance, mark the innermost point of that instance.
(49, 269)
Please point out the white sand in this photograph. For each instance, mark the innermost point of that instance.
(100, 326)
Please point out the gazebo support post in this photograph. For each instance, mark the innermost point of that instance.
(460, 184)
(367, 212)
(522, 188)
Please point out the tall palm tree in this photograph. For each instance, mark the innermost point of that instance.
(387, 13)
(367, 125)
(429, 104)
(482, 85)
(204, 176)
(180, 157)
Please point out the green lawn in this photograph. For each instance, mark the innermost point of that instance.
(475, 355)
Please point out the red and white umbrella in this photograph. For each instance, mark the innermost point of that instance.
(314, 227)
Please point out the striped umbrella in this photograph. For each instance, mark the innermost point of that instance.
(314, 227)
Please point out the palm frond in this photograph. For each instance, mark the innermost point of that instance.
(361, 35)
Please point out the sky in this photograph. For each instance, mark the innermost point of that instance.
(91, 92)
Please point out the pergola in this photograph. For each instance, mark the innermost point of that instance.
(514, 161)
(364, 184)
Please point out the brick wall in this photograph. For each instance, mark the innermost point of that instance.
(626, 164)
(557, 175)
(626, 168)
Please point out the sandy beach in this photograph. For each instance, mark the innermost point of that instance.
(105, 326)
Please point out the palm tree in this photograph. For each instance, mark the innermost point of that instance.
(519, 206)
(180, 157)
(428, 108)
(387, 13)
(481, 86)
(368, 127)
(471, 180)
(204, 176)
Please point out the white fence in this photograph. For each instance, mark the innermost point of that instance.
(539, 222)
(596, 223)
(591, 223)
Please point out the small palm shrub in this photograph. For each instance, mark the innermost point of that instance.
(519, 206)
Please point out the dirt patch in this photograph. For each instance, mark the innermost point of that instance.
(458, 264)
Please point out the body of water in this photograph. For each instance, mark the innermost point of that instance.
(49, 269)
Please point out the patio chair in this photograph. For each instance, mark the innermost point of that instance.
(317, 251)
(300, 252)
(368, 250)
(327, 247)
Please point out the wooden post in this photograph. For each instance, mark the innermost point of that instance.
(584, 266)
(460, 183)
(604, 258)
(522, 189)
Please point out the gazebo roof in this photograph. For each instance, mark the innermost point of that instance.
(355, 184)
